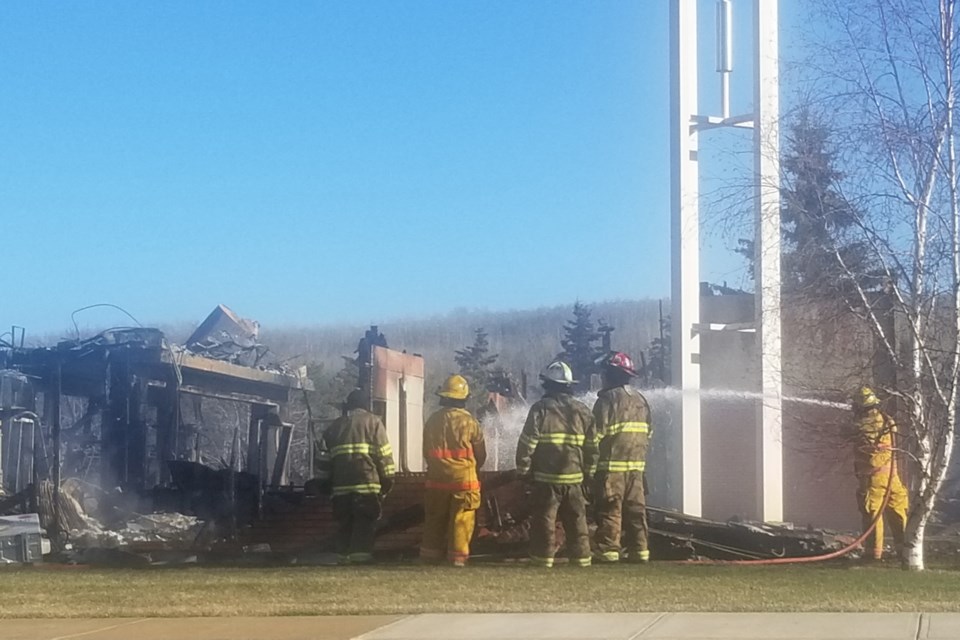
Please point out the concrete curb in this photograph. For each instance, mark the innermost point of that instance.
(506, 626)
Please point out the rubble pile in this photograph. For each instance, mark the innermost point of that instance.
(674, 535)
(168, 530)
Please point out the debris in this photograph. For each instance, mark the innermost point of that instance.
(171, 529)
(164, 530)
(16, 392)
(65, 515)
(20, 539)
(128, 532)
(17, 503)
(226, 336)
(133, 337)
(674, 535)
(503, 527)
(216, 494)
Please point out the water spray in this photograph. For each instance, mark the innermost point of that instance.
(503, 430)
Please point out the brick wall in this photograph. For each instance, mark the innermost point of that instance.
(308, 524)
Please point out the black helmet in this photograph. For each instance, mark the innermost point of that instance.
(357, 399)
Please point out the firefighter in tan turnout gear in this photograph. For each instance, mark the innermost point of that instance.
(355, 463)
(557, 453)
(454, 449)
(622, 418)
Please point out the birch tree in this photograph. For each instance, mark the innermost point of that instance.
(885, 70)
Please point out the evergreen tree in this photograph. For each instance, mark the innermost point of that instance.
(330, 390)
(661, 354)
(815, 216)
(580, 349)
(475, 364)
(348, 378)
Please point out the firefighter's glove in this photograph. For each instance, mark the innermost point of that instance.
(526, 481)
(587, 488)
(386, 486)
(646, 487)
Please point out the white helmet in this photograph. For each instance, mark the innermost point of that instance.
(559, 372)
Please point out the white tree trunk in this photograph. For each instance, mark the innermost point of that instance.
(934, 464)
(913, 548)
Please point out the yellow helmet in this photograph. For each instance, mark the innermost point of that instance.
(865, 398)
(455, 388)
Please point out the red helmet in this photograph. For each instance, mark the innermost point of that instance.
(621, 361)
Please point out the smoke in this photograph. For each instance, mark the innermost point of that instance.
(502, 431)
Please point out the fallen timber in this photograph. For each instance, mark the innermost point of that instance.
(295, 523)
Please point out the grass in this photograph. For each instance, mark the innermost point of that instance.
(405, 589)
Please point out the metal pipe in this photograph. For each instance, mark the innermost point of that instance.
(724, 36)
(724, 52)
(724, 95)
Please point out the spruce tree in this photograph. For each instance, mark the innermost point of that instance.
(815, 216)
(580, 349)
(475, 364)
(331, 389)
(661, 353)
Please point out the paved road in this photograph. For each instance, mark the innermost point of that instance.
(506, 626)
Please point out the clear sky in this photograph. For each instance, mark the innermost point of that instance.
(317, 162)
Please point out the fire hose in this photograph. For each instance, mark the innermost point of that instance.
(824, 556)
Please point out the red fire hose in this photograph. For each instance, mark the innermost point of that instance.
(822, 557)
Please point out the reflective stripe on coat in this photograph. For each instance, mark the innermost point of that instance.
(454, 449)
(622, 416)
(558, 442)
(354, 454)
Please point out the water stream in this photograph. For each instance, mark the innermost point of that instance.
(502, 432)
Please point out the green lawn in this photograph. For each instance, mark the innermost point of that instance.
(87, 592)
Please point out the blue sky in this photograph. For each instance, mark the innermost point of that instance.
(320, 162)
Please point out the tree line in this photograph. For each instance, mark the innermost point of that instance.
(522, 341)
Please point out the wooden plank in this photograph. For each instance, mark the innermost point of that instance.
(186, 360)
(283, 449)
(226, 395)
(253, 441)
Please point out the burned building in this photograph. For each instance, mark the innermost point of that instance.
(123, 390)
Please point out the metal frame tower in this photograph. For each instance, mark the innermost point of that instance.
(687, 123)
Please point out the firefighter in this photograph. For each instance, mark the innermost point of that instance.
(875, 468)
(355, 463)
(454, 449)
(557, 455)
(622, 417)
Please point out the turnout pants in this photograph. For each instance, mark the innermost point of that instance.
(621, 506)
(449, 518)
(566, 501)
(870, 497)
(356, 515)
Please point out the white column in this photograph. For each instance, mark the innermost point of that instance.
(767, 176)
(685, 231)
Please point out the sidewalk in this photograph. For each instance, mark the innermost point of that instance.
(507, 626)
